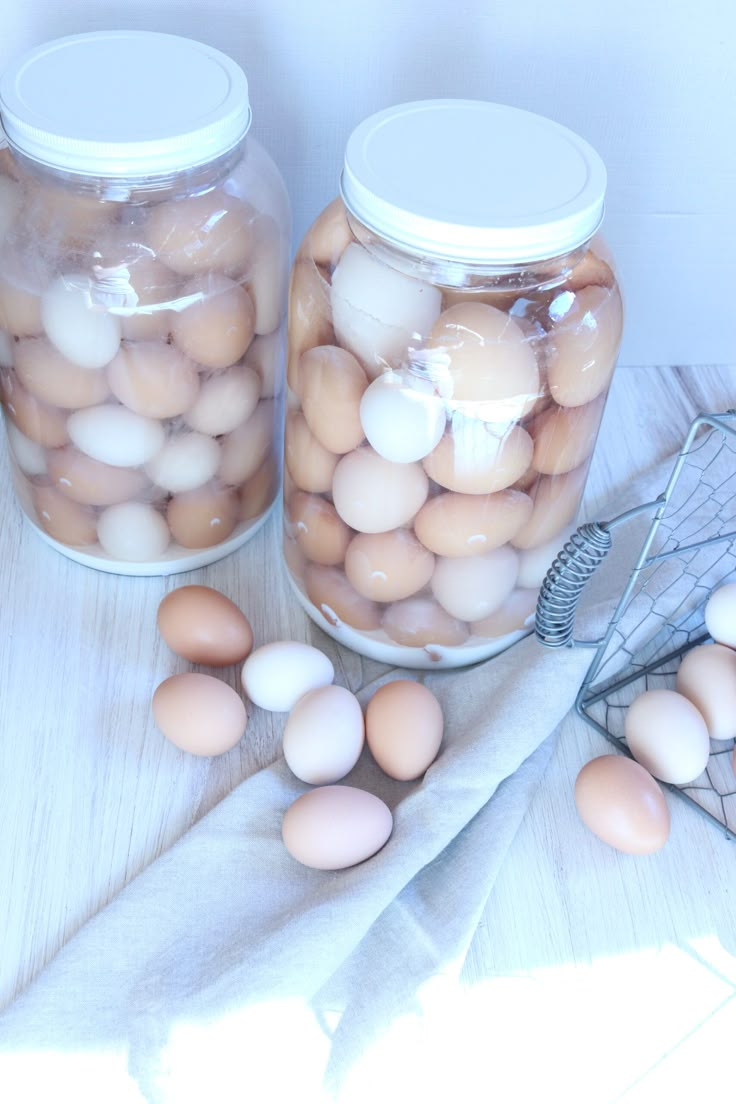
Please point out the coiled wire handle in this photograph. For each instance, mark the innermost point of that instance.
(564, 582)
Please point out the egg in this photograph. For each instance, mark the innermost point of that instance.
(323, 735)
(403, 728)
(47, 374)
(64, 216)
(11, 200)
(133, 531)
(310, 316)
(264, 356)
(91, 482)
(556, 501)
(214, 322)
(720, 615)
(294, 558)
(401, 416)
(667, 735)
(583, 344)
(322, 535)
(202, 625)
(276, 675)
(564, 436)
(115, 435)
(28, 455)
(377, 312)
(309, 463)
(20, 310)
(203, 517)
(334, 827)
(45, 425)
(478, 458)
(62, 519)
(534, 563)
(707, 677)
(257, 494)
(339, 602)
(146, 288)
(421, 622)
(265, 279)
(514, 614)
(590, 269)
(374, 495)
(386, 567)
(224, 401)
(185, 462)
(469, 525)
(245, 449)
(469, 589)
(76, 324)
(328, 237)
(619, 801)
(153, 379)
(332, 385)
(213, 230)
(199, 714)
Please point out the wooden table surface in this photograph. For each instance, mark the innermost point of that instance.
(594, 976)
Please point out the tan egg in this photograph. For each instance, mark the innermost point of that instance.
(150, 285)
(153, 379)
(62, 519)
(469, 525)
(48, 375)
(322, 535)
(266, 282)
(516, 613)
(619, 801)
(556, 501)
(328, 237)
(265, 356)
(134, 532)
(202, 625)
(260, 491)
(472, 588)
(421, 622)
(200, 714)
(225, 401)
(308, 462)
(583, 344)
(216, 327)
(337, 601)
(203, 517)
(20, 310)
(387, 567)
(487, 360)
(332, 385)
(589, 270)
(475, 458)
(334, 827)
(246, 448)
(564, 436)
(42, 423)
(310, 316)
(294, 558)
(91, 482)
(374, 495)
(707, 677)
(403, 728)
(213, 231)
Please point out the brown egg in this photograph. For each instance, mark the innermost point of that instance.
(556, 501)
(337, 601)
(62, 519)
(564, 436)
(386, 567)
(328, 237)
(47, 374)
(246, 448)
(513, 615)
(333, 827)
(153, 379)
(310, 316)
(468, 525)
(199, 713)
(204, 517)
(403, 728)
(20, 310)
(473, 459)
(323, 536)
(44, 424)
(225, 401)
(203, 232)
(332, 385)
(421, 622)
(310, 465)
(583, 344)
(619, 801)
(217, 327)
(374, 495)
(590, 270)
(202, 625)
(265, 356)
(266, 281)
(91, 482)
(260, 490)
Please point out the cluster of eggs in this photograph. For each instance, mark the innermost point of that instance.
(329, 827)
(140, 366)
(437, 440)
(670, 734)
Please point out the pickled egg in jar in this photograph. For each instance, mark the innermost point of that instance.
(454, 322)
(144, 245)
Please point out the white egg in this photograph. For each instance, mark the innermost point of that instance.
(720, 615)
(187, 461)
(473, 587)
(29, 456)
(276, 675)
(668, 736)
(534, 563)
(133, 531)
(6, 350)
(115, 435)
(402, 417)
(85, 334)
(10, 203)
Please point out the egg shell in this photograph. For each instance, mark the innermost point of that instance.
(332, 385)
(258, 493)
(328, 237)
(309, 463)
(265, 356)
(115, 435)
(471, 589)
(583, 344)
(62, 519)
(403, 728)
(20, 310)
(387, 567)
(564, 436)
(421, 622)
(202, 625)
(469, 525)
(225, 401)
(265, 280)
(477, 458)
(11, 200)
(245, 449)
(556, 500)
(133, 531)
(91, 482)
(513, 615)
(199, 713)
(76, 324)
(589, 270)
(668, 736)
(214, 322)
(401, 416)
(337, 601)
(310, 316)
(707, 677)
(324, 735)
(202, 232)
(28, 455)
(153, 378)
(47, 374)
(322, 535)
(45, 425)
(374, 495)
(534, 563)
(720, 615)
(276, 675)
(619, 801)
(185, 462)
(203, 517)
(334, 827)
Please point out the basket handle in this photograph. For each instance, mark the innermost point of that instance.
(563, 584)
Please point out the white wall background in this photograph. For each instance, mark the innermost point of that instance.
(650, 83)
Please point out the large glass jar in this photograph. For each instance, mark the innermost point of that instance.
(454, 322)
(143, 268)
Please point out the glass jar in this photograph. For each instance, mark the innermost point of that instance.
(143, 267)
(454, 322)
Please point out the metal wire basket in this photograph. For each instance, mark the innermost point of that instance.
(688, 550)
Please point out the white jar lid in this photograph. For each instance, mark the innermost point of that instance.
(124, 103)
(472, 181)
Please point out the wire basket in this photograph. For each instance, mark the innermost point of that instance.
(689, 549)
